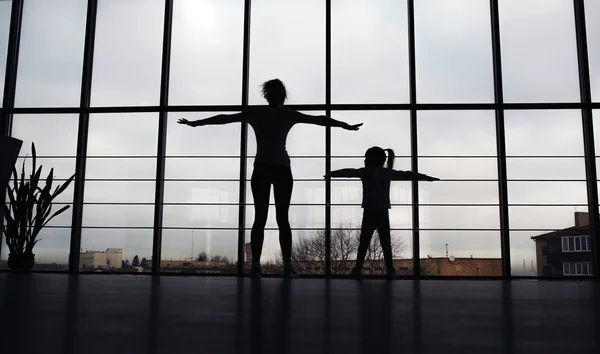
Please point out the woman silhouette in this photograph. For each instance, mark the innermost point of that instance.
(272, 164)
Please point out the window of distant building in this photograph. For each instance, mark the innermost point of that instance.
(577, 268)
(576, 244)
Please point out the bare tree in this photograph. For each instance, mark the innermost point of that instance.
(308, 254)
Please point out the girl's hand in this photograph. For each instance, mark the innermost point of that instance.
(184, 121)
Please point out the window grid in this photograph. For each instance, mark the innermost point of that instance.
(585, 105)
(576, 244)
(577, 268)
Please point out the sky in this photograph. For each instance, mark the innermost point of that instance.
(369, 65)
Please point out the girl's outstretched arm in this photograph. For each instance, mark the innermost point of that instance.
(323, 121)
(345, 172)
(411, 176)
(216, 120)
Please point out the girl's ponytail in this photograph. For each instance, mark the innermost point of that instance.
(390, 158)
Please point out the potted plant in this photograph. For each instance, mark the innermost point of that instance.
(28, 210)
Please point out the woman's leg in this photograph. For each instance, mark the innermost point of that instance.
(261, 192)
(283, 185)
(366, 232)
(383, 229)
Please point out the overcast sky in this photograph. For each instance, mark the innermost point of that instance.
(369, 65)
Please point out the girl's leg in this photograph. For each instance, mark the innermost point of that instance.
(261, 191)
(383, 228)
(283, 185)
(366, 232)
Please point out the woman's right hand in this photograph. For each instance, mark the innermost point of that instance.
(352, 127)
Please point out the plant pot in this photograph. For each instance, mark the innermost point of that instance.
(21, 262)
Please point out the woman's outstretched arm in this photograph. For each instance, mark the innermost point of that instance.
(216, 120)
(344, 172)
(323, 121)
(411, 176)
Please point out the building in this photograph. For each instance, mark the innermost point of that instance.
(565, 252)
(111, 258)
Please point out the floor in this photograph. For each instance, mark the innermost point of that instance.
(53, 313)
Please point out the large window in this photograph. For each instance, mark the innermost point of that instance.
(352, 59)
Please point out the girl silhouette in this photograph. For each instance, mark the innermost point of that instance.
(376, 202)
(272, 164)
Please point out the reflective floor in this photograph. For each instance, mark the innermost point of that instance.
(52, 313)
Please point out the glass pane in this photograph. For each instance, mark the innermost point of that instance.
(577, 244)
(589, 243)
(592, 21)
(201, 192)
(51, 53)
(191, 168)
(459, 217)
(453, 51)
(456, 133)
(369, 51)
(119, 216)
(51, 252)
(200, 216)
(53, 134)
(122, 168)
(565, 268)
(539, 52)
(5, 10)
(565, 244)
(565, 168)
(128, 53)
(386, 129)
(460, 253)
(206, 52)
(199, 251)
(119, 192)
(571, 244)
(113, 250)
(123, 134)
(287, 41)
(214, 140)
(572, 269)
(459, 168)
(544, 133)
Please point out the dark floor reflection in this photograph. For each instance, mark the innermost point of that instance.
(119, 314)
